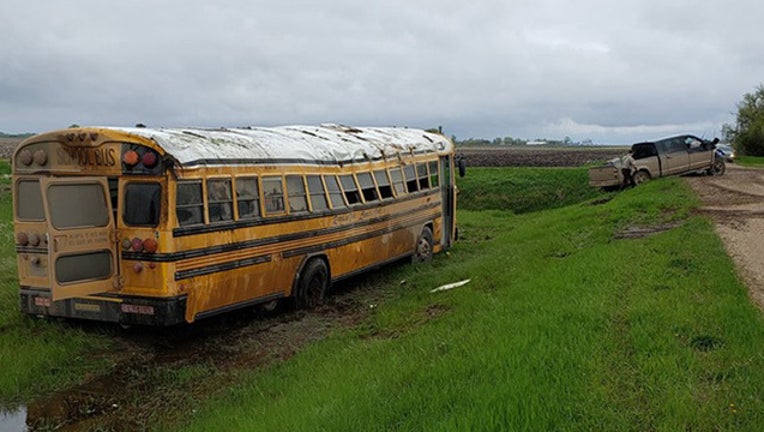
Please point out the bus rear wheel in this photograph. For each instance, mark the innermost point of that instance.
(312, 285)
(423, 250)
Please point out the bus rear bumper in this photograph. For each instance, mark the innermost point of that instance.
(127, 310)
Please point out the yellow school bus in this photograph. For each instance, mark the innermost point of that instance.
(164, 226)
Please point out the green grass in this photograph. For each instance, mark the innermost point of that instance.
(523, 190)
(563, 327)
(35, 356)
(752, 161)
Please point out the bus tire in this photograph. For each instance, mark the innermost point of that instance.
(312, 285)
(423, 247)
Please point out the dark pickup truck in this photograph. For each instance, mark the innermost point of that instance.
(677, 155)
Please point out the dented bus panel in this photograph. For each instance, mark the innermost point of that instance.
(163, 226)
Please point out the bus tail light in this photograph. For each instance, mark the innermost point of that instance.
(25, 157)
(149, 159)
(137, 267)
(150, 245)
(137, 244)
(40, 157)
(31, 239)
(22, 239)
(34, 239)
(131, 158)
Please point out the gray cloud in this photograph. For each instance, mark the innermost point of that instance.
(613, 72)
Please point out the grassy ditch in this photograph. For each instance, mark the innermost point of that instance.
(35, 356)
(523, 190)
(565, 326)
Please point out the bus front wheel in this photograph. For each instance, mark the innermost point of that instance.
(312, 285)
(423, 250)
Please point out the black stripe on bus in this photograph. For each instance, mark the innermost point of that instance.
(193, 253)
(30, 249)
(227, 226)
(348, 240)
(231, 265)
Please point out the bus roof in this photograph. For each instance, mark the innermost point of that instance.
(325, 144)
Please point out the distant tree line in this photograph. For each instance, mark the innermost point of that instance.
(21, 135)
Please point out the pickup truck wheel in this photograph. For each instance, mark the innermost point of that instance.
(641, 177)
(718, 168)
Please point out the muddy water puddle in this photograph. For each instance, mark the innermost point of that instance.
(160, 375)
(13, 420)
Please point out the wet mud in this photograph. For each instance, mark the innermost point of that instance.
(159, 375)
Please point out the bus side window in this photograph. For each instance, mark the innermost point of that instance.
(368, 188)
(273, 191)
(189, 204)
(335, 193)
(317, 194)
(351, 189)
(385, 191)
(219, 200)
(142, 204)
(298, 200)
(411, 180)
(398, 184)
(424, 179)
(247, 197)
(434, 174)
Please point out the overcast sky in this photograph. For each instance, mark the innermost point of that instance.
(610, 71)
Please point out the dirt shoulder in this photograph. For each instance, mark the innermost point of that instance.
(735, 201)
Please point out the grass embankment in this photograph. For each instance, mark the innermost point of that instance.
(563, 327)
(750, 161)
(522, 190)
(35, 356)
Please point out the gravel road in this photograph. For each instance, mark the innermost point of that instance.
(735, 201)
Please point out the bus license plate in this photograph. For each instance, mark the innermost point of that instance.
(137, 309)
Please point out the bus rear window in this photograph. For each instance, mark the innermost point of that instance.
(29, 201)
(83, 267)
(142, 204)
(189, 203)
(80, 205)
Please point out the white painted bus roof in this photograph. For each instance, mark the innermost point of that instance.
(325, 144)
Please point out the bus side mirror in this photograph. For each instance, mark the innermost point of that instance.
(462, 165)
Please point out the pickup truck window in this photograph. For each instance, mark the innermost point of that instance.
(673, 145)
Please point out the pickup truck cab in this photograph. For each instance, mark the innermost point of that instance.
(677, 155)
